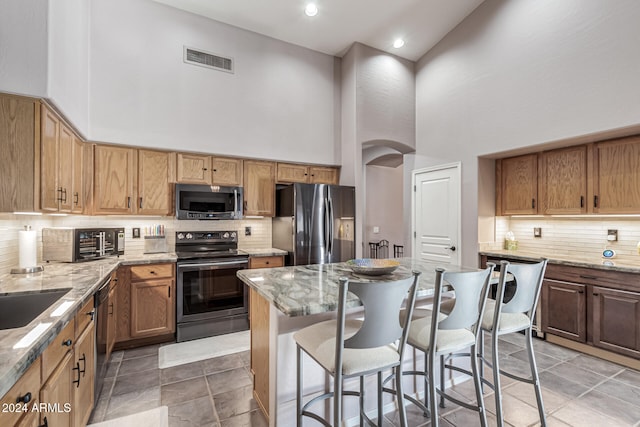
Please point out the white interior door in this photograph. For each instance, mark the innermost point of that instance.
(436, 214)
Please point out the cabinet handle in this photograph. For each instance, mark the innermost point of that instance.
(582, 201)
(83, 359)
(245, 205)
(152, 272)
(533, 203)
(92, 313)
(59, 198)
(64, 195)
(128, 202)
(46, 424)
(77, 368)
(24, 399)
(581, 292)
(204, 169)
(588, 277)
(595, 201)
(76, 198)
(169, 292)
(67, 343)
(140, 202)
(595, 294)
(215, 170)
(110, 313)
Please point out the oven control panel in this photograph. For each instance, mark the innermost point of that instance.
(207, 236)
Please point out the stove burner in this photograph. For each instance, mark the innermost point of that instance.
(207, 244)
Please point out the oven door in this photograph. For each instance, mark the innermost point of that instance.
(210, 289)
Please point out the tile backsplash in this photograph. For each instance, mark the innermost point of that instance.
(10, 225)
(576, 236)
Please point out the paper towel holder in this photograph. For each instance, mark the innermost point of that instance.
(27, 270)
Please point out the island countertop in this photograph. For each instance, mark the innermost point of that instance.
(311, 289)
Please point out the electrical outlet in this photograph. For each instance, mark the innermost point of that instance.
(247, 231)
(612, 235)
(135, 233)
(537, 232)
(376, 229)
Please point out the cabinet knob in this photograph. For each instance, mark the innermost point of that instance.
(152, 272)
(92, 313)
(595, 201)
(46, 424)
(204, 169)
(533, 203)
(67, 343)
(24, 399)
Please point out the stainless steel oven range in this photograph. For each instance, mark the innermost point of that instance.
(211, 300)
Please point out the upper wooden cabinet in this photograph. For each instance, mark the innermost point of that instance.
(517, 178)
(210, 170)
(562, 182)
(154, 190)
(78, 195)
(60, 173)
(114, 180)
(616, 176)
(290, 172)
(259, 188)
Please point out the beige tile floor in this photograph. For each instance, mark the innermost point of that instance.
(578, 391)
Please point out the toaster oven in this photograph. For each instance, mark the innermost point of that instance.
(81, 244)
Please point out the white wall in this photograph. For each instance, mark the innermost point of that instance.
(519, 73)
(68, 77)
(384, 205)
(279, 104)
(23, 47)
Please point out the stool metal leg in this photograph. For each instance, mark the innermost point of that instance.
(496, 378)
(299, 386)
(433, 396)
(361, 399)
(337, 398)
(478, 386)
(534, 377)
(442, 379)
(481, 355)
(400, 397)
(380, 407)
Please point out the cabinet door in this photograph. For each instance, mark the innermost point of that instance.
(616, 321)
(65, 168)
(564, 309)
(20, 146)
(58, 391)
(154, 191)
(31, 419)
(226, 171)
(84, 374)
(111, 321)
(50, 191)
(77, 194)
(123, 305)
(152, 308)
(616, 176)
(259, 188)
(288, 172)
(259, 318)
(563, 181)
(114, 172)
(322, 175)
(193, 169)
(519, 185)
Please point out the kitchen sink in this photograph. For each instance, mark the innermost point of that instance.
(20, 308)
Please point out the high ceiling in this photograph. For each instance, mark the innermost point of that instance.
(339, 23)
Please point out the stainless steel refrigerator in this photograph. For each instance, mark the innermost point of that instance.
(315, 223)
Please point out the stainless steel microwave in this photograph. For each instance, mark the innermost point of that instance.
(81, 244)
(195, 201)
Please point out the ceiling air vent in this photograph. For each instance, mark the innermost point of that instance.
(209, 60)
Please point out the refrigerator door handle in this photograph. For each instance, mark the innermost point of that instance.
(330, 240)
(326, 227)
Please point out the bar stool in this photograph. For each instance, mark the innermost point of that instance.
(505, 318)
(398, 251)
(347, 348)
(455, 331)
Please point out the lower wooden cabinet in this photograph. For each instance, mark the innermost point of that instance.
(266, 261)
(564, 309)
(616, 320)
(31, 419)
(84, 375)
(58, 391)
(145, 302)
(259, 326)
(25, 391)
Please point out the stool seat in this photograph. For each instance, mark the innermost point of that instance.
(509, 322)
(319, 342)
(448, 339)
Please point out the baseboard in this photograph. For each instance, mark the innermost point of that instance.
(595, 351)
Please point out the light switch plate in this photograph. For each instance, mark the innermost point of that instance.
(247, 231)
(612, 235)
(537, 232)
(376, 229)
(135, 233)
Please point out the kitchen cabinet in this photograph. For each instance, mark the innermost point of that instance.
(259, 188)
(59, 390)
(146, 303)
(259, 327)
(209, 170)
(78, 195)
(84, 376)
(25, 391)
(266, 261)
(60, 173)
(20, 160)
(154, 190)
(564, 309)
(290, 172)
(517, 185)
(616, 321)
(114, 180)
(616, 176)
(563, 181)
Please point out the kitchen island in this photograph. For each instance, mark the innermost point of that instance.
(286, 299)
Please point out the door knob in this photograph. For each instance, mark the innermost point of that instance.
(452, 248)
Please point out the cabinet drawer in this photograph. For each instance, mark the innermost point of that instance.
(84, 317)
(151, 271)
(28, 383)
(593, 276)
(266, 262)
(56, 351)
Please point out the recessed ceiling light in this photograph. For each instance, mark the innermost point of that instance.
(311, 9)
(398, 43)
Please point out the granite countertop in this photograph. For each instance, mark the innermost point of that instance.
(311, 289)
(263, 252)
(630, 264)
(83, 279)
